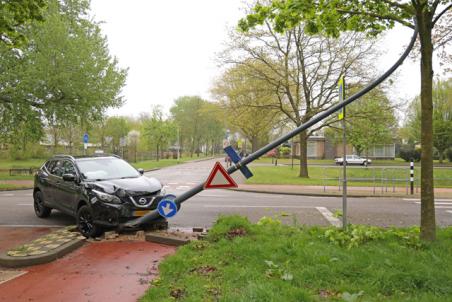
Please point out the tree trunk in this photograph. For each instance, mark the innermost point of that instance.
(441, 156)
(254, 144)
(158, 152)
(55, 141)
(303, 155)
(428, 223)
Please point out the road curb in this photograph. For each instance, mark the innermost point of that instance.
(44, 249)
(15, 262)
(15, 189)
(150, 170)
(315, 194)
(166, 240)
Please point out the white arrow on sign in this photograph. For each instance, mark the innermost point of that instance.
(167, 209)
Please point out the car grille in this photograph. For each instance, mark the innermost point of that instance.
(145, 200)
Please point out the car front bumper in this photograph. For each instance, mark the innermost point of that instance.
(112, 215)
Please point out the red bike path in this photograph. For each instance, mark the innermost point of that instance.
(99, 271)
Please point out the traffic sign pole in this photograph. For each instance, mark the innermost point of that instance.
(85, 142)
(344, 161)
(246, 160)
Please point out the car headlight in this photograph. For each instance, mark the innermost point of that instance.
(107, 197)
(163, 191)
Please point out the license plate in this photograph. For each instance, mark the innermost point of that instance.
(140, 213)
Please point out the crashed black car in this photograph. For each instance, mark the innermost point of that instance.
(99, 191)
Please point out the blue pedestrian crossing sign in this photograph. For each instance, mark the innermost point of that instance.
(167, 208)
(85, 138)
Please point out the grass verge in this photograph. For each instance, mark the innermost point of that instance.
(375, 162)
(268, 261)
(6, 187)
(358, 176)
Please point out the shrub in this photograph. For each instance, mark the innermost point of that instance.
(407, 153)
(284, 151)
(449, 154)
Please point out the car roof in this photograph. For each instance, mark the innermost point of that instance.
(83, 157)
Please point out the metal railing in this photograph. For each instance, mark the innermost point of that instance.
(381, 180)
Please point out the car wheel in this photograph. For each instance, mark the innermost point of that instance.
(85, 222)
(41, 210)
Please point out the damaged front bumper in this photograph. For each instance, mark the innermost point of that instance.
(113, 215)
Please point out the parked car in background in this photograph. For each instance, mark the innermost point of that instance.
(100, 191)
(353, 160)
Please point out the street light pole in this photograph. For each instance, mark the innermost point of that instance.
(178, 145)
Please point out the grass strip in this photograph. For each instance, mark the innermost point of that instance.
(268, 261)
(358, 176)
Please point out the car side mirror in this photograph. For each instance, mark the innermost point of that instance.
(69, 177)
(141, 171)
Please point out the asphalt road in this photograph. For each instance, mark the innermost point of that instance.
(16, 209)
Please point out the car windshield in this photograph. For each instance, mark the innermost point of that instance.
(106, 168)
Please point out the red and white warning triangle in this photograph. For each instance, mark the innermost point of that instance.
(219, 178)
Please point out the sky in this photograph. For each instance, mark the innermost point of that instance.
(170, 49)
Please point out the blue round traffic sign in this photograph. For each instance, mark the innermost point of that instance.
(167, 208)
(85, 138)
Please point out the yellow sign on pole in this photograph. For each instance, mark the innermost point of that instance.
(340, 86)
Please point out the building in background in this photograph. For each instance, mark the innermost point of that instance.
(320, 147)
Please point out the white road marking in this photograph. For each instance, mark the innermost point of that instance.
(329, 216)
(253, 206)
(19, 273)
(30, 226)
(191, 183)
(443, 207)
(24, 204)
(4, 195)
(267, 195)
(449, 212)
(182, 187)
(173, 183)
(210, 195)
(438, 203)
(417, 199)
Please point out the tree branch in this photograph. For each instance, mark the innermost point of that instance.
(382, 17)
(441, 14)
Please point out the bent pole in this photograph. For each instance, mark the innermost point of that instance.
(319, 117)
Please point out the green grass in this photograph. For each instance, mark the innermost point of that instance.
(5, 165)
(25, 163)
(287, 175)
(272, 262)
(375, 162)
(5, 187)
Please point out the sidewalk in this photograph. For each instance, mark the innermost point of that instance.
(97, 272)
(334, 191)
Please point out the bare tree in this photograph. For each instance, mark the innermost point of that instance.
(301, 71)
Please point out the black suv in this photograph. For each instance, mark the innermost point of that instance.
(99, 191)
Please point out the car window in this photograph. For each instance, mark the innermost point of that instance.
(49, 165)
(68, 168)
(57, 168)
(106, 168)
